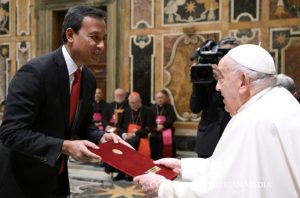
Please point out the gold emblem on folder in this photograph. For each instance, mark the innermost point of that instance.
(117, 151)
(154, 169)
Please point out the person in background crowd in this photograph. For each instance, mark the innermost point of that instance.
(99, 105)
(49, 101)
(209, 102)
(135, 125)
(162, 142)
(258, 153)
(115, 109)
(288, 83)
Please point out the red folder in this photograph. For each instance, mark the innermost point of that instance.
(130, 161)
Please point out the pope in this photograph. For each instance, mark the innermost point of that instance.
(258, 153)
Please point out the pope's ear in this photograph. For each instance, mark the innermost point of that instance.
(244, 83)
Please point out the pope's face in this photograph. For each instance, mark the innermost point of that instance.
(229, 84)
(87, 45)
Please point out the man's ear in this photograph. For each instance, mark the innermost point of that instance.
(70, 35)
(244, 84)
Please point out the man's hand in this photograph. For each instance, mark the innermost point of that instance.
(150, 183)
(172, 163)
(111, 136)
(78, 149)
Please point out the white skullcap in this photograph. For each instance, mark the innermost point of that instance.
(253, 57)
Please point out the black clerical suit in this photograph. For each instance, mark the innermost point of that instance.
(35, 124)
(110, 111)
(214, 118)
(99, 107)
(145, 120)
(156, 142)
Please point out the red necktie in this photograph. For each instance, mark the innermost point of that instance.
(74, 98)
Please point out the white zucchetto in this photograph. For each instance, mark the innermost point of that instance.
(253, 57)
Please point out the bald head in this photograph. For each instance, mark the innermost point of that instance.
(135, 101)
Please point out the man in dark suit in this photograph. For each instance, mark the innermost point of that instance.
(49, 102)
(214, 118)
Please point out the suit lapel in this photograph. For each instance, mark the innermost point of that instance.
(64, 84)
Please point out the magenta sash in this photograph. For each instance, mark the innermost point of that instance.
(166, 137)
(97, 117)
(112, 119)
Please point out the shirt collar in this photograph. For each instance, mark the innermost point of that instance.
(71, 65)
(256, 97)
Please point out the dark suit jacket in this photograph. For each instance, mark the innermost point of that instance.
(35, 124)
(214, 118)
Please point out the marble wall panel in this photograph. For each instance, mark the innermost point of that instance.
(22, 53)
(142, 64)
(245, 10)
(285, 43)
(176, 12)
(142, 14)
(5, 67)
(4, 18)
(176, 68)
(23, 17)
(284, 9)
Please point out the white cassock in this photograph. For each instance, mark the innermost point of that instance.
(258, 154)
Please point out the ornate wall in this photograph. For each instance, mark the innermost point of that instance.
(17, 44)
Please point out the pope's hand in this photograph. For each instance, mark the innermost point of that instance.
(150, 183)
(172, 163)
(111, 136)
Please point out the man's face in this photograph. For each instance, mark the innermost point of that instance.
(98, 95)
(87, 45)
(160, 98)
(229, 84)
(134, 103)
(120, 96)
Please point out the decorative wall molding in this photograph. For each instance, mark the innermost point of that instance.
(23, 53)
(245, 10)
(180, 12)
(247, 35)
(5, 67)
(176, 67)
(142, 14)
(142, 50)
(5, 18)
(285, 44)
(23, 17)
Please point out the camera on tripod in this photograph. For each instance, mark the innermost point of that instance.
(209, 53)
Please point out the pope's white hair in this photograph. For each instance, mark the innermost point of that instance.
(258, 80)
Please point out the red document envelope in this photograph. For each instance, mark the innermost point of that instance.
(130, 161)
